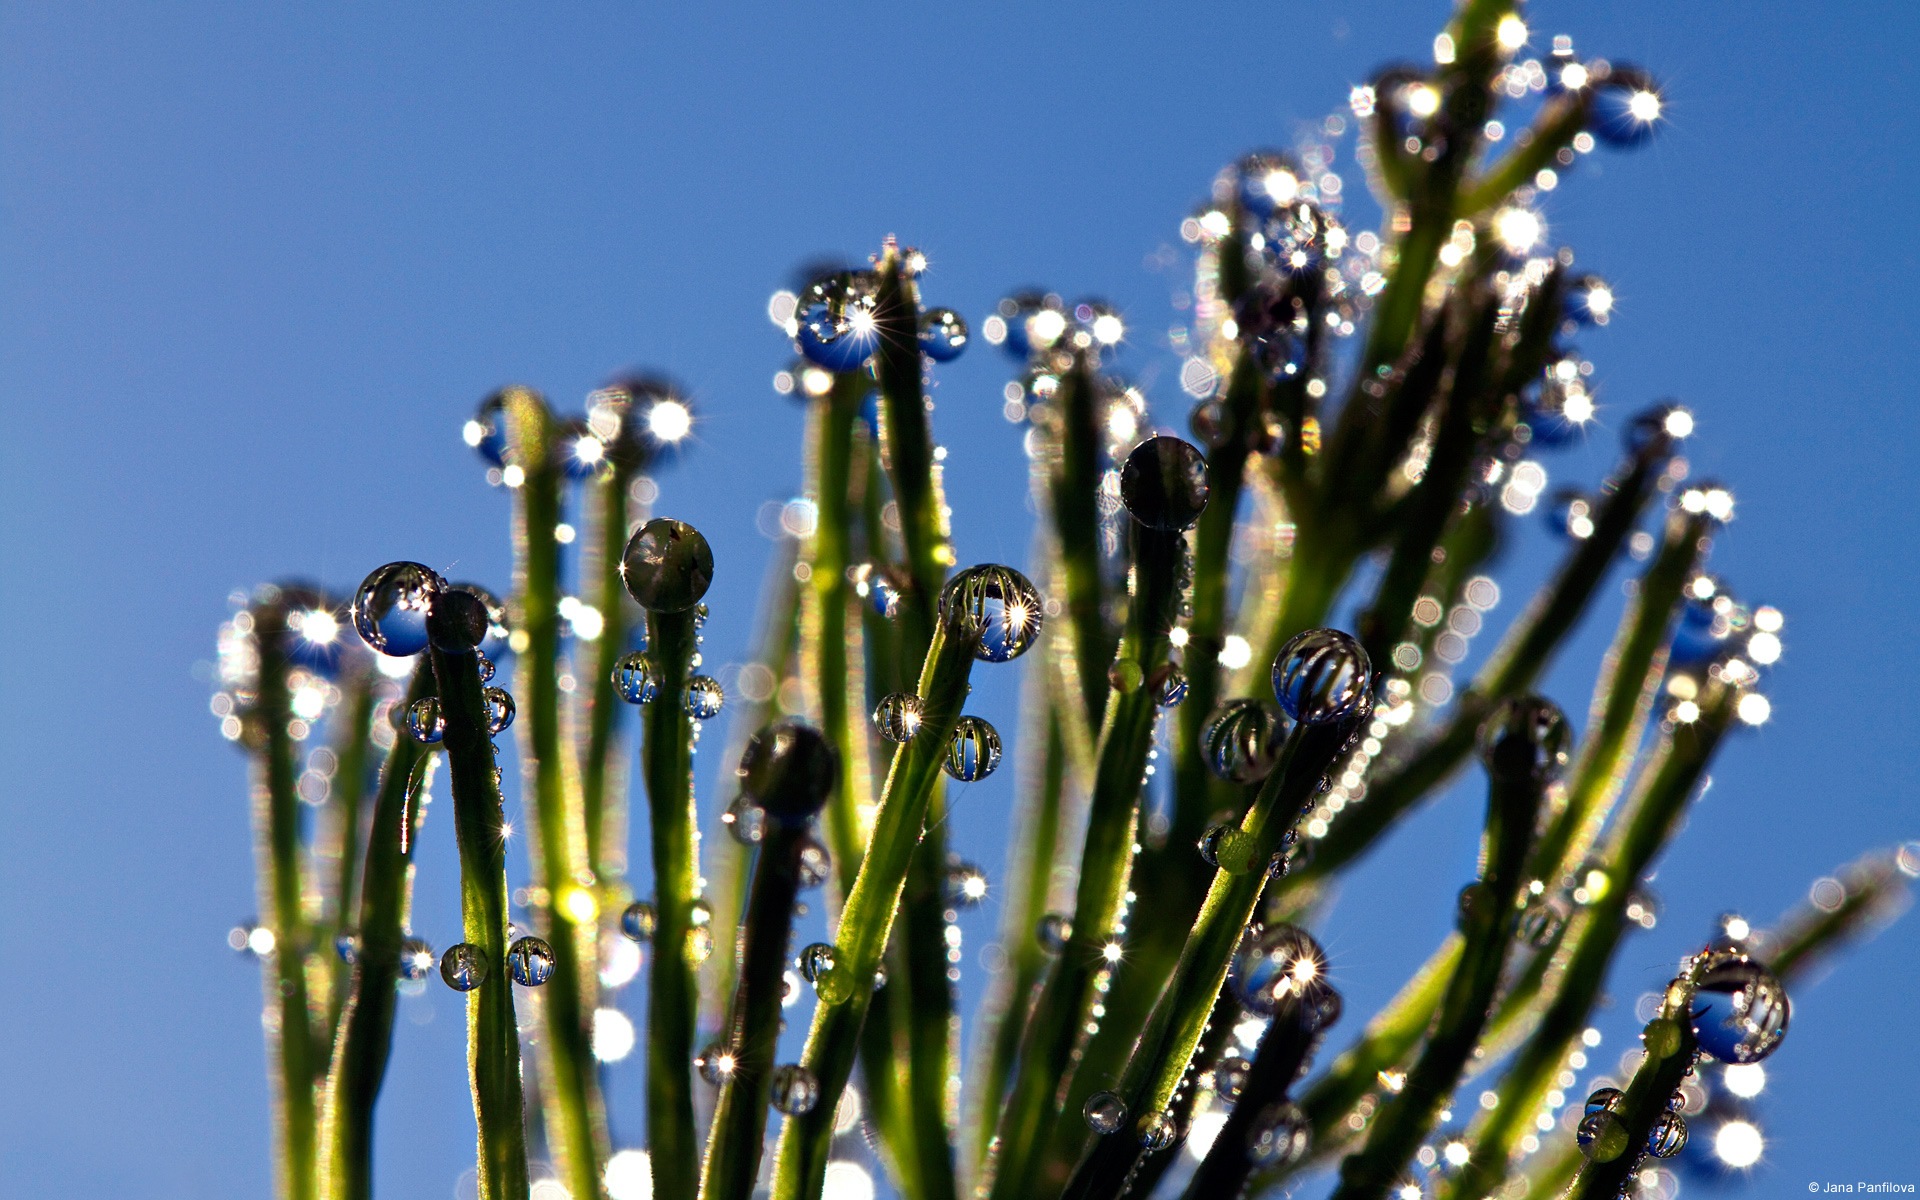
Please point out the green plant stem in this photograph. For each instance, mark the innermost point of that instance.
(673, 987)
(1055, 1024)
(601, 806)
(1072, 500)
(291, 1044)
(571, 1104)
(493, 1039)
(753, 1024)
(364, 1033)
(1666, 783)
(1404, 1120)
(352, 747)
(1875, 885)
(1658, 1078)
(867, 917)
(1289, 1038)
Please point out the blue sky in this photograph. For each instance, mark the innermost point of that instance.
(259, 262)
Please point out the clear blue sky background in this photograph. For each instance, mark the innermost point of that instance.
(259, 262)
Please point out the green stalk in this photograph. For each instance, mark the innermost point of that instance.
(1658, 1078)
(753, 1026)
(1072, 501)
(1283, 1048)
(355, 713)
(1402, 1122)
(364, 1036)
(1876, 885)
(673, 986)
(867, 918)
(1047, 1054)
(479, 822)
(291, 1044)
(1652, 815)
(606, 519)
(570, 1087)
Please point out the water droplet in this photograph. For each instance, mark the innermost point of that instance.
(966, 884)
(1228, 848)
(716, 1063)
(699, 944)
(1668, 1136)
(416, 959)
(816, 960)
(486, 669)
(1156, 1132)
(530, 961)
(1626, 108)
(1740, 1011)
(457, 621)
(883, 590)
(463, 966)
(1125, 676)
(494, 644)
(795, 1090)
(635, 678)
(1602, 1136)
(1541, 922)
(499, 709)
(667, 566)
(639, 921)
(390, 609)
(1105, 1112)
(973, 751)
(704, 697)
(1474, 900)
(1604, 1099)
(1230, 1076)
(1280, 1135)
(1054, 931)
(898, 716)
(1283, 964)
(996, 605)
(1243, 741)
(789, 767)
(1169, 685)
(1266, 180)
(814, 864)
(425, 722)
(1164, 484)
(487, 432)
(837, 320)
(746, 820)
(820, 965)
(1526, 738)
(1322, 675)
(943, 334)
(347, 947)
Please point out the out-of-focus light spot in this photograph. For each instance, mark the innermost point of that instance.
(473, 433)
(669, 421)
(1456, 1153)
(1111, 952)
(1443, 49)
(1754, 709)
(589, 450)
(1764, 648)
(994, 329)
(1214, 224)
(588, 623)
(1644, 106)
(1108, 329)
(621, 963)
(1423, 100)
(816, 381)
(579, 905)
(309, 702)
(1738, 1143)
(1827, 894)
(1177, 637)
(565, 533)
(549, 1189)
(1511, 33)
(1574, 76)
(1045, 327)
(1122, 423)
(1686, 712)
(612, 1035)
(1518, 230)
(781, 307)
(319, 627)
(848, 1112)
(1736, 927)
(847, 1181)
(1745, 1080)
(1201, 1134)
(513, 475)
(1679, 423)
(629, 1176)
(1235, 652)
(260, 941)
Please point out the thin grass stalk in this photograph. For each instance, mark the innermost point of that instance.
(479, 822)
(1647, 1094)
(571, 1104)
(867, 918)
(352, 748)
(1289, 1038)
(291, 1047)
(364, 1034)
(607, 520)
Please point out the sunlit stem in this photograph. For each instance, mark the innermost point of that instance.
(609, 519)
(364, 1036)
(351, 749)
(570, 1088)
(479, 822)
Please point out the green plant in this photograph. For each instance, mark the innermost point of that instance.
(1194, 731)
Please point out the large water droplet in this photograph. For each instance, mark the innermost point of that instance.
(704, 697)
(425, 722)
(487, 432)
(1230, 1076)
(1602, 1136)
(1280, 1134)
(1266, 180)
(530, 961)
(500, 709)
(1740, 1011)
(789, 768)
(390, 609)
(635, 679)
(1604, 1099)
(1054, 932)
(1321, 675)
(943, 334)
(1526, 738)
(1243, 741)
(464, 966)
(667, 566)
(1156, 1132)
(997, 606)
(898, 717)
(1283, 964)
(746, 820)
(1668, 1136)
(639, 921)
(795, 1090)
(1169, 685)
(1105, 1113)
(1228, 848)
(837, 320)
(973, 751)
(716, 1063)
(1164, 484)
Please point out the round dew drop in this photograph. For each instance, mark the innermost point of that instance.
(530, 961)
(1280, 1135)
(639, 921)
(464, 966)
(973, 751)
(425, 722)
(795, 1090)
(500, 710)
(635, 678)
(1321, 675)
(1105, 1113)
(898, 717)
(704, 697)
(390, 609)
